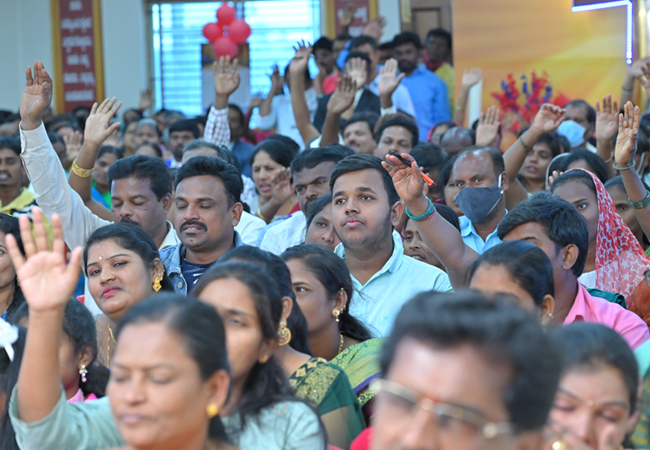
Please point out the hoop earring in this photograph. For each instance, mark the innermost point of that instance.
(156, 283)
(284, 333)
(83, 372)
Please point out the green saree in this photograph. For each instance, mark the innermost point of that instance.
(360, 362)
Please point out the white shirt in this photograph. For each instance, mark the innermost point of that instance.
(284, 234)
(401, 97)
(249, 228)
(281, 116)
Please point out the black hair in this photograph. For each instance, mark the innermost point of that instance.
(342, 37)
(323, 43)
(222, 151)
(579, 175)
(9, 371)
(595, 162)
(185, 125)
(369, 117)
(143, 168)
(447, 213)
(356, 163)
(564, 142)
(239, 112)
(408, 37)
(214, 167)
(201, 330)
(386, 45)
(10, 225)
(551, 139)
(591, 346)
(132, 238)
(440, 32)
(334, 275)
(311, 157)
(501, 331)
(362, 40)
(404, 122)
(10, 142)
(266, 383)
(429, 156)
(119, 154)
(445, 172)
(55, 138)
(563, 224)
(591, 112)
(317, 207)
(135, 111)
(527, 264)
(287, 74)
(496, 156)
(62, 121)
(361, 55)
(156, 148)
(276, 267)
(447, 123)
(79, 326)
(277, 150)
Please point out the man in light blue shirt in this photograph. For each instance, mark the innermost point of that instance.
(428, 91)
(481, 171)
(401, 97)
(365, 206)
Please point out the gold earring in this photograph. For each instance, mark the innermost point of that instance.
(212, 410)
(156, 283)
(284, 333)
(264, 359)
(336, 313)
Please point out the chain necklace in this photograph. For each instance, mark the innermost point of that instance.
(341, 344)
(111, 341)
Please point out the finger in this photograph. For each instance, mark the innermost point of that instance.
(598, 105)
(39, 230)
(58, 244)
(636, 120)
(29, 80)
(400, 77)
(16, 256)
(71, 272)
(26, 236)
(93, 110)
(390, 169)
(615, 107)
(621, 123)
(114, 127)
(115, 109)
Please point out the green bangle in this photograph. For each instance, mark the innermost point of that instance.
(431, 210)
(615, 166)
(641, 204)
(526, 147)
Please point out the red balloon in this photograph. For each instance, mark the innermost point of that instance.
(239, 31)
(226, 14)
(224, 46)
(212, 31)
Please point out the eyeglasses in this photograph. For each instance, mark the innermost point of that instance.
(402, 404)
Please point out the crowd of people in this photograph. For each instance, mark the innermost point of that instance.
(342, 266)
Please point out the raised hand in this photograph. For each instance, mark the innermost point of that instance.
(488, 127)
(548, 118)
(348, 16)
(388, 78)
(281, 188)
(636, 68)
(72, 144)
(552, 177)
(606, 118)
(46, 280)
(343, 97)
(37, 96)
(407, 180)
(628, 127)
(375, 28)
(146, 100)
(356, 68)
(644, 79)
(300, 62)
(256, 101)
(226, 76)
(98, 126)
(471, 77)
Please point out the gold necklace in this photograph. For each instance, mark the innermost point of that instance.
(341, 344)
(110, 340)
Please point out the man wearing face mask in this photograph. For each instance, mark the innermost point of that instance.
(479, 173)
(579, 124)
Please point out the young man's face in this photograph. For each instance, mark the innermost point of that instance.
(312, 184)
(396, 138)
(437, 48)
(407, 56)
(360, 209)
(11, 169)
(178, 140)
(325, 59)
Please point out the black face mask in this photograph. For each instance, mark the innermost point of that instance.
(478, 202)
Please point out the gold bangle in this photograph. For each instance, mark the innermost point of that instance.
(259, 214)
(78, 171)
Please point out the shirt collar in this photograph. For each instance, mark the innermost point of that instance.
(394, 262)
(467, 228)
(578, 311)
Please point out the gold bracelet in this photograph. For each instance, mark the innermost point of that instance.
(259, 214)
(78, 171)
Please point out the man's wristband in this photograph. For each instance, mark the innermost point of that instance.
(431, 210)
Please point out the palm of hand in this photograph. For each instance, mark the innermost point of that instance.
(226, 83)
(298, 64)
(387, 83)
(407, 184)
(606, 125)
(624, 147)
(340, 101)
(545, 122)
(36, 99)
(43, 280)
(96, 127)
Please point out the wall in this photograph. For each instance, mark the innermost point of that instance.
(25, 33)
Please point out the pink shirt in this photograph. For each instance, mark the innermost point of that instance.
(587, 308)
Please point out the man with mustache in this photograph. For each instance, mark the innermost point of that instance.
(358, 132)
(311, 176)
(141, 186)
(208, 208)
(15, 200)
(365, 208)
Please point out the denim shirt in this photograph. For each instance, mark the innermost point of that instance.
(171, 258)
